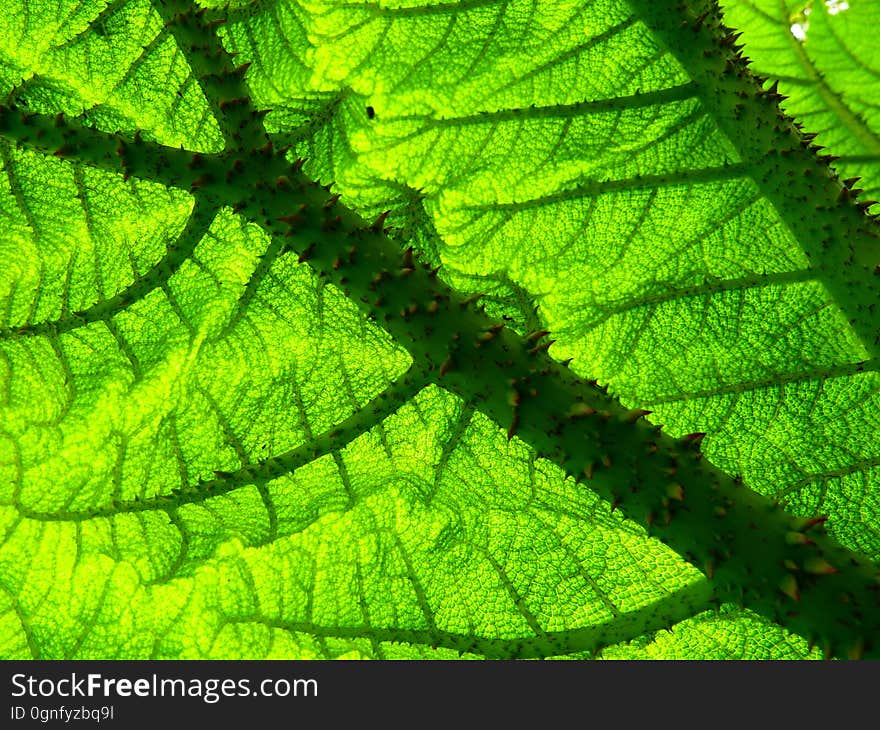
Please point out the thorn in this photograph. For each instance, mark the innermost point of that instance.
(536, 335)
(579, 410)
(698, 22)
(513, 424)
(819, 566)
(234, 102)
(307, 253)
(199, 182)
(797, 538)
(635, 414)
(543, 347)
(378, 225)
(471, 299)
(293, 220)
(807, 523)
(693, 440)
(788, 585)
(240, 71)
(675, 491)
(331, 201)
(446, 366)
(709, 568)
(408, 262)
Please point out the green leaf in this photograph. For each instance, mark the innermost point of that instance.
(825, 62)
(238, 421)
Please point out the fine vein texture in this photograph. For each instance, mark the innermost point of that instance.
(824, 61)
(694, 301)
(251, 467)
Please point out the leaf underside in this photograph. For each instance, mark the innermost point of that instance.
(228, 435)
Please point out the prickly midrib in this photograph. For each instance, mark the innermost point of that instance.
(854, 125)
(749, 545)
(757, 555)
(850, 120)
(840, 240)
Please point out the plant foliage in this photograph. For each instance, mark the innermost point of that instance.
(495, 328)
